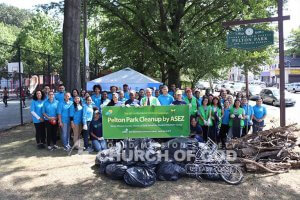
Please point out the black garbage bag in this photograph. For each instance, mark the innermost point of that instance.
(116, 171)
(185, 145)
(140, 177)
(105, 158)
(211, 173)
(168, 171)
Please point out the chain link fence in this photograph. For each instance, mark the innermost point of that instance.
(22, 72)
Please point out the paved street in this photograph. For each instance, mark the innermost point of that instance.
(292, 113)
(10, 116)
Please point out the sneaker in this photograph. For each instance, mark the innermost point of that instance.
(55, 147)
(90, 150)
(49, 148)
(66, 149)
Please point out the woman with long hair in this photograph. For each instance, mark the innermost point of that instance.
(64, 120)
(76, 111)
(236, 123)
(204, 113)
(96, 97)
(216, 114)
(38, 118)
(74, 93)
(50, 114)
(87, 117)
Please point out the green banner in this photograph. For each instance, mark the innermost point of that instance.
(145, 122)
(250, 39)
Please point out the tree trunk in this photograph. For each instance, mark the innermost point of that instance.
(71, 45)
(174, 76)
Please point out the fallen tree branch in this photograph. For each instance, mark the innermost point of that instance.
(261, 166)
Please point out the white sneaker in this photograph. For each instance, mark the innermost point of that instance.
(49, 148)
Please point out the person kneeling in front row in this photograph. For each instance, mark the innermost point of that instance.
(98, 141)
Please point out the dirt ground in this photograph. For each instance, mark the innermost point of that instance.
(28, 173)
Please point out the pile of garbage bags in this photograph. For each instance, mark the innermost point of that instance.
(144, 169)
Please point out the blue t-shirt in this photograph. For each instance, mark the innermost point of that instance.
(37, 106)
(226, 116)
(171, 93)
(60, 96)
(97, 100)
(96, 128)
(64, 111)
(50, 108)
(165, 100)
(199, 101)
(126, 95)
(76, 114)
(109, 96)
(259, 111)
(249, 113)
(87, 114)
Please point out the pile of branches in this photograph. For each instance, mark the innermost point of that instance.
(271, 150)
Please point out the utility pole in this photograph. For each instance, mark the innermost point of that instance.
(280, 18)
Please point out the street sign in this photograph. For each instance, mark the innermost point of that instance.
(250, 39)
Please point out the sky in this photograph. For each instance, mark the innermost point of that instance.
(292, 8)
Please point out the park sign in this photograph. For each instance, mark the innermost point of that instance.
(250, 39)
(145, 122)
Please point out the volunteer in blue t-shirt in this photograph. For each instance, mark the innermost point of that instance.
(50, 113)
(198, 97)
(172, 90)
(225, 123)
(60, 95)
(122, 99)
(248, 116)
(38, 118)
(63, 112)
(259, 115)
(126, 91)
(98, 142)
(87, 117)
(96, 97)
(76, 111)
(165, 99)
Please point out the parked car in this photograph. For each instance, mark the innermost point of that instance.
(271, 96)
(218, 87)
(237, 87)
(294, 87)
(287, 85)
(203, 85)
(254, 91)
(228, 87)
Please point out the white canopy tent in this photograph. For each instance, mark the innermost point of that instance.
(135, 80)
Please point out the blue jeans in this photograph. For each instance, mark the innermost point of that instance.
(258, 126)
(65, 135)
(99, 145)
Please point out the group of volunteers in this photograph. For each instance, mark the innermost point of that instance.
(215, 117)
